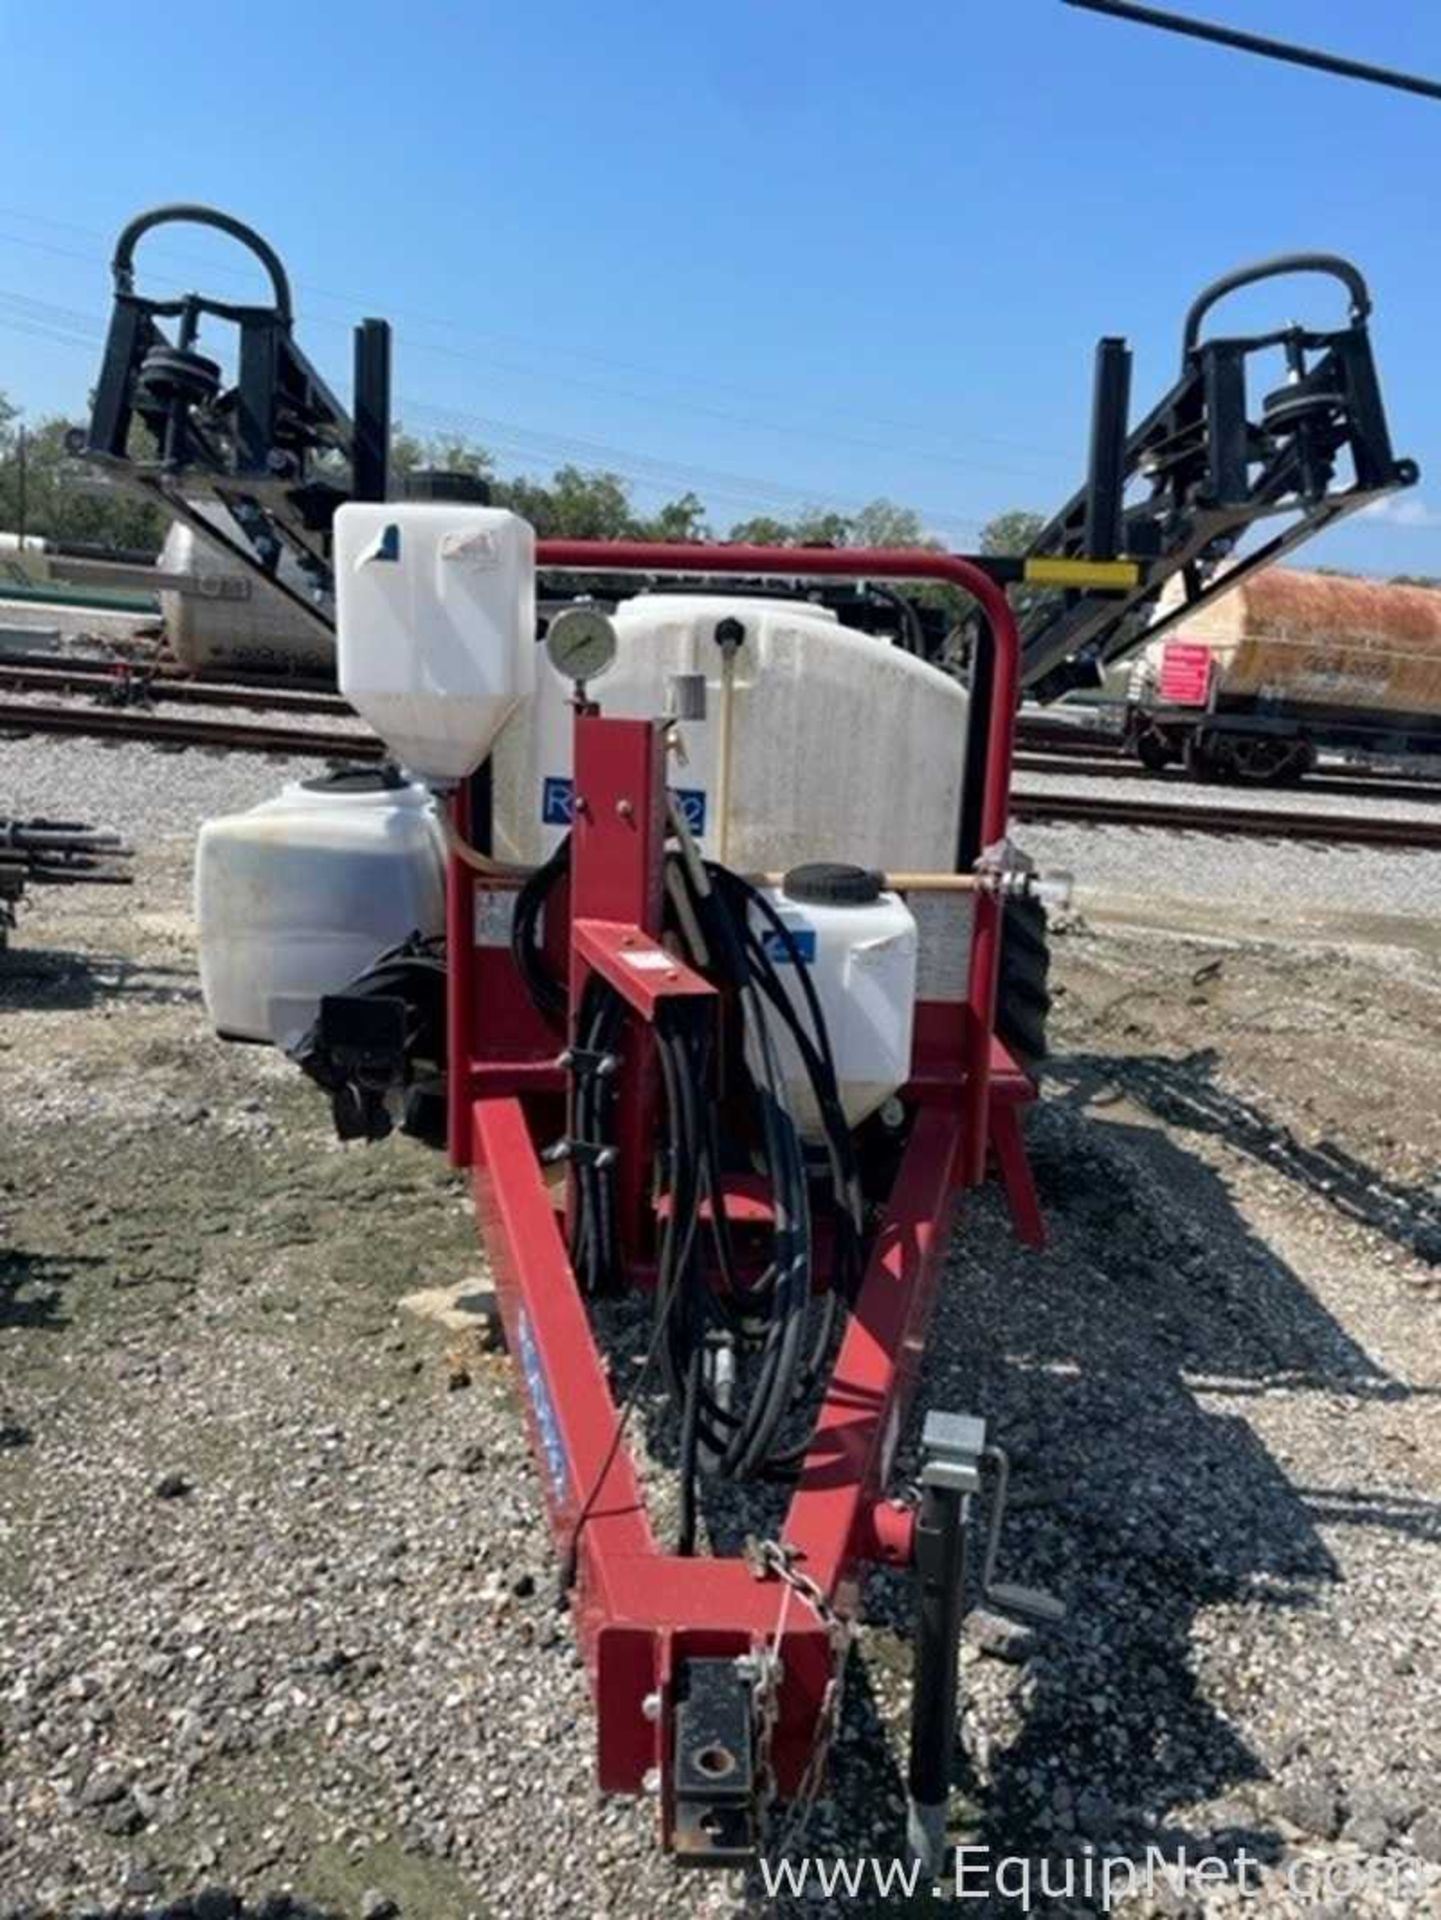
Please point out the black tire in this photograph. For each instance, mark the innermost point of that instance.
(1270, 763)
(1200, 761)
(1154, 752)
(1023, 999)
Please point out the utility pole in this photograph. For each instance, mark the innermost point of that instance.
(20, 485)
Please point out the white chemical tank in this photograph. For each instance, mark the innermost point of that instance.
(435, 626)
(820, 743)
(299, 895)
(259, 631)
(861, 948)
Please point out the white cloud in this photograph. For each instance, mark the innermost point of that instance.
(1402, 510)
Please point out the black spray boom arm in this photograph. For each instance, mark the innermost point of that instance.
(1181, 491)
(275, 450)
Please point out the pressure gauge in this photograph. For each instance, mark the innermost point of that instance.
(581, 643)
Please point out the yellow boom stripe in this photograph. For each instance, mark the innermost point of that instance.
(1082, 573)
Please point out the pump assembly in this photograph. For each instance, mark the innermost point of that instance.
(697, 937)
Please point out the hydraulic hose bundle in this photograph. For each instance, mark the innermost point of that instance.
(740, 1345)
(593, 1061)
(771, 1315)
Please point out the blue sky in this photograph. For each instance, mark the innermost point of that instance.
(782, 253)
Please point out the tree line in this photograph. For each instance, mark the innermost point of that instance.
(48, 494)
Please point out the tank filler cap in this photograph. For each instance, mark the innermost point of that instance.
(382, 779)
(830, 883)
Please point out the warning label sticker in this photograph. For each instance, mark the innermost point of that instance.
(494, 916)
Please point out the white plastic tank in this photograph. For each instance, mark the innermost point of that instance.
(297, 896)
(435, 626)
(819, 742)
(260, 631)
(861, 947)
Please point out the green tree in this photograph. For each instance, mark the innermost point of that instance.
(574, 503)
(448, 452)
(881, 523)
(818, 527)
(60, 498)
(682, 519)
(1011, 532)
(65, 500)
(762, 531)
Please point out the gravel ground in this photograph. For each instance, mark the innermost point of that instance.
(1216, 884)
(156, 798)
(275, 1598)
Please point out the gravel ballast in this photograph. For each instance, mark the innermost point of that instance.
(277, 1617)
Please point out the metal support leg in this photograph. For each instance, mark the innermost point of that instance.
(953, 1445)
(1016, 1176)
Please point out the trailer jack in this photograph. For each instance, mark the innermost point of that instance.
(956, 1451)
(953, 1445)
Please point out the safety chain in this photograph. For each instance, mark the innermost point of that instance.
(763, 1668)
(765, 1557)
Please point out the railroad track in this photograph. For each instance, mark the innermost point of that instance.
(1039, 748)
(1255, 823)
(1353, 783)
(185, 730)
(138, 723)
(136, 685)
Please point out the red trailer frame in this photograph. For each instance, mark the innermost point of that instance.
(641, 1612)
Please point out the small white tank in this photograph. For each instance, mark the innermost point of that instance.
(861, 947)
(296, 897)
(435, 626)
(819, 743)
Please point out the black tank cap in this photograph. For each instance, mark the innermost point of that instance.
(832, 884)
(355, 780)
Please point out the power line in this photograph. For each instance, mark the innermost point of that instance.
(21, 313)
(671, 400)
(507, 435)
(1289, 51)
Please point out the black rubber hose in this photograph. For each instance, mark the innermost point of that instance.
(593, 1236)
(785, 1381)
(547, 993)
(743, 1441)
(689, 1452)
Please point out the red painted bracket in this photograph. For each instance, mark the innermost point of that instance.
(643, 972)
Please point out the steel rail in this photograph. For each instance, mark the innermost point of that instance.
(118, 681)
(157, 729)
(1275, 823)
(1322, 783)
